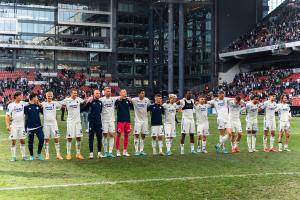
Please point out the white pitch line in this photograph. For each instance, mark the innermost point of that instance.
(150, 180)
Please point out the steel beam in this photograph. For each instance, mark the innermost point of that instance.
(181, 50)
(170, 47)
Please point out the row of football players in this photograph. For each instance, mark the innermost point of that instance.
(102, 122)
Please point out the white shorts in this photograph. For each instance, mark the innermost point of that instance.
(51, 131)
(74, 130)
(141, 128)
(170, 130)
(251, 125)
(223, 124)
(187, 126)
(157, 131)
(284, 126)
(108, 127)
(270, 125)
(203, 129)
(236, 126)
(17, 133)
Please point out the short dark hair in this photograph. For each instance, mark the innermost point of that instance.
(221, 92)
(16, 94)
(272, 94)
(32, 95)
(284, 95)
(158, 95)
(254, 96)
(187, 91)
(140, 91)
(238, 98)
(73, 89)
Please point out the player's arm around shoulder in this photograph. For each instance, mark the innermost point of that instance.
(8, 117)
(149, 108)
(41, 108)
(211, 102)
(58, 105)
(64, 101)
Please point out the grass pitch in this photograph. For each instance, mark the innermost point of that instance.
(211, 176)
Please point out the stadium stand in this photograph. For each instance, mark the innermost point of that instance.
(281, 26)
(264, 82)
(60, 82)
(244, 84)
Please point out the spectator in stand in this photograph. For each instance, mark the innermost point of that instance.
(281, 26)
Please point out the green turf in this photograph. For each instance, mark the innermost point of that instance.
(210, 167)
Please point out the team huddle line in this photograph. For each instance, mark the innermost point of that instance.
(23, 120)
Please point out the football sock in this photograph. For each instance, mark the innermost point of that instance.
(136, 144)
(69, 146)
(23, 151)
(13, 149)
(111, 144)
(78, 147)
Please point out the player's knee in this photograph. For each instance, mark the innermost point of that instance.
(13, 142)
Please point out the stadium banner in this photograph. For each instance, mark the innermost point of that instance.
(113, 84)
(37, 83)
(293, 45)
(49, 74)
(94, 75)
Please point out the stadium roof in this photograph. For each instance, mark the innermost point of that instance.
(278, 49)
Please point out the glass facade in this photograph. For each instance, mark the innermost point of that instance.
(112, 35)
(132, 42)
(49, 34)
(198, 46)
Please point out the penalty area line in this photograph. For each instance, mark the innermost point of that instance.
(150, 180)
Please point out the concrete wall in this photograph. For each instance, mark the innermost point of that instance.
(236, 17)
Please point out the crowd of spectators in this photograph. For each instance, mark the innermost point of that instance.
(244, 84)
(281, 26)
(60, 85)
(261, 83)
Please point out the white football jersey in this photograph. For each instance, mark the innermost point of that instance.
(140, 109)
(270, 109)
(73, 107)
(170, 112)
(221, 107)
(201, 113)
(284, 112)
(187, 113)
(108, 109)
(16, 112)
(252, 111)
(49, 112)
(235, 110)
